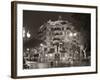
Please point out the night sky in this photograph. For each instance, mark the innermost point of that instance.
(32, 20)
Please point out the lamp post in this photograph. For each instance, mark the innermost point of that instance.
(26, 36)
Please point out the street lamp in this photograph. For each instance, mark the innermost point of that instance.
(74, 34)
(41, 45)
(28, 34)
(71, 34)
(23, 32)
(28, 49)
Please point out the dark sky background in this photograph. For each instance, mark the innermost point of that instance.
(32, 20)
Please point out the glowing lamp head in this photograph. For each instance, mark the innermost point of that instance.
(50, 55)
(41, 44)
(28, 49)
(28, 35)
(75, 34)
(71, 34)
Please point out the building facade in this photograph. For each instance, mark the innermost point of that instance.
(60, 43)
